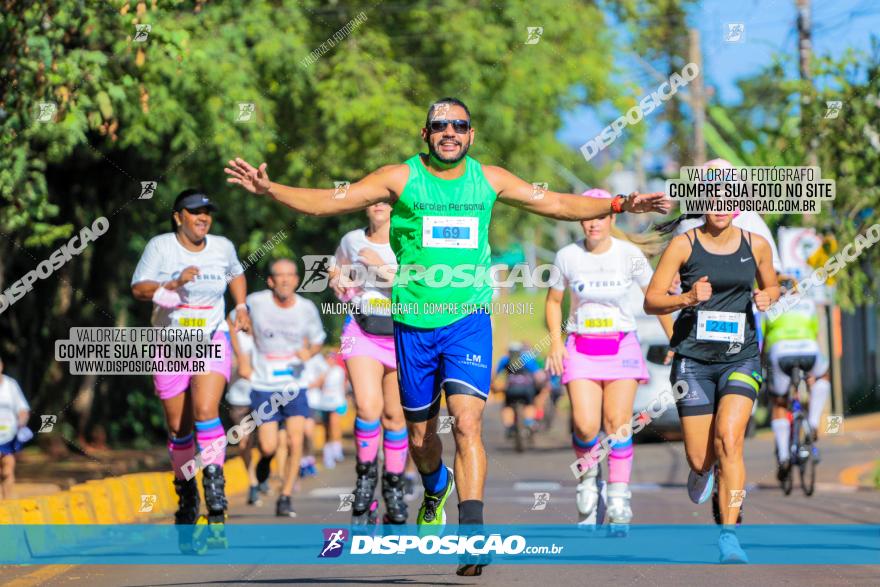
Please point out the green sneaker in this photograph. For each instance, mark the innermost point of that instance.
(428, 513)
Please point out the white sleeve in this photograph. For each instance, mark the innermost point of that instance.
(335, 381)
(233, 265)
(18, 398)
(316, 332)
(641, 268)
(559, 262)
(343, 257)
(150, 264)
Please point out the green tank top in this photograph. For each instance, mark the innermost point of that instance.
(440, 236)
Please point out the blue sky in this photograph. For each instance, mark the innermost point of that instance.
(769, 30)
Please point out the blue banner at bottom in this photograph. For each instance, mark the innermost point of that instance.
(281, 544)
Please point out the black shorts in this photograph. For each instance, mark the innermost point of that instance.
(708, 382)
(525, 399)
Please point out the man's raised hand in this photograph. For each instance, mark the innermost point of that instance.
(642, 203)
(254, 180)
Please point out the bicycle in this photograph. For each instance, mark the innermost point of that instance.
(801, 444)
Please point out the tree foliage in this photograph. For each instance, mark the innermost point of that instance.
(165, 109)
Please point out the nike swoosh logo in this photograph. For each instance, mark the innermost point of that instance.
(741, 260)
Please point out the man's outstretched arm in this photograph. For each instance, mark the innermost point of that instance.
(517, 192)
(383, 185)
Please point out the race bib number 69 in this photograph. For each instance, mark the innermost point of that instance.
(456, 232)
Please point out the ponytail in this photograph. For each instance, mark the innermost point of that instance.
(669, 226)
(650, 242)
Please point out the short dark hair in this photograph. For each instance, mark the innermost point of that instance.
(446, 100)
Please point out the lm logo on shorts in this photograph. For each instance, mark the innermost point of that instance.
(334, 541)
(473, 360)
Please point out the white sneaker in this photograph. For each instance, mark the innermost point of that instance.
(329, 457)
(700, 485)
(587, 498)
(619, 510)
(337, 452)
(731, 552)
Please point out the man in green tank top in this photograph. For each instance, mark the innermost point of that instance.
(441, 209)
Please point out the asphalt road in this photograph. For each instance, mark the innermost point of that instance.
(659, 497)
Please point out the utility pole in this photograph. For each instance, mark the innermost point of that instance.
(805, 56)
(831, 315)
(698, 98)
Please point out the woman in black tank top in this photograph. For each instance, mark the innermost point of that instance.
(716, 372)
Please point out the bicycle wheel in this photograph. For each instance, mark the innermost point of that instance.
(806, 463)
(519, 440)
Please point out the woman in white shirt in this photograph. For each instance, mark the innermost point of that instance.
(601, 361)
(185, 273)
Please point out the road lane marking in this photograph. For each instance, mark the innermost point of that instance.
(39, 576)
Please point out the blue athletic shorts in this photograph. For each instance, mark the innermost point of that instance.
(298, 406)
(456, 357)
(11, 447)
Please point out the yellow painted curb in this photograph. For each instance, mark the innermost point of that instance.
(81, 509)
(56, 508)
(851, 475)
(100, 501)
(123, 510)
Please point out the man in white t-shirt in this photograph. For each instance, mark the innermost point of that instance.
(287, 332)
(14, 415)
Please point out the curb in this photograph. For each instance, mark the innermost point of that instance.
(134, 498)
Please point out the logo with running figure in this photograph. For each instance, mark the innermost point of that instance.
(345, 502)
(47, 422)
(147, 503)
(833, 108)
(737, 496)
(148, 188)
(334, 541)
(340, 189)
(47, 111)
(317, 273)
(736, 32)
(541, 501)
(534, 35)
(539, 188)
(445, 424)
(833, 424)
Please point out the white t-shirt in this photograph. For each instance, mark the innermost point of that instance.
(12, 402)
(239, 392)
(372, 289)
(599, 284)
(278, 334)
(202, 304)
(332, 394)
(749, 221)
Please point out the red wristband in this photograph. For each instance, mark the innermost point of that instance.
(617, 204)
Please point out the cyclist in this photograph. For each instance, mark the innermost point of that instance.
(601, 360)
(238, 396)
(441, 209)
(287, 332)
(14, 415)
(184, 273)
(716, 353)
(368, 350)
(792, 336)
(520, 378)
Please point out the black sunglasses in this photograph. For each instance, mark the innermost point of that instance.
(459, 126)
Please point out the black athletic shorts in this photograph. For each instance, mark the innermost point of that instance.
(709, 382)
